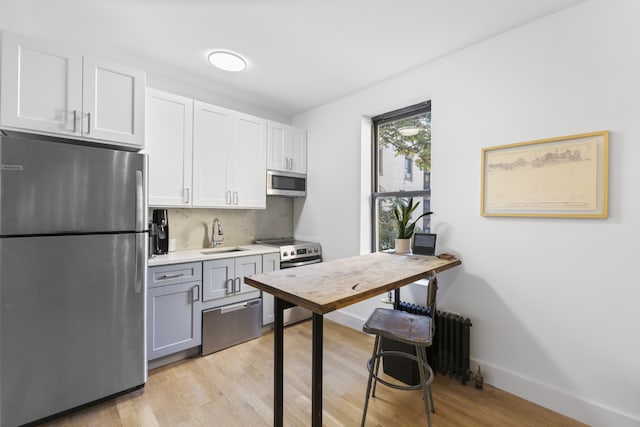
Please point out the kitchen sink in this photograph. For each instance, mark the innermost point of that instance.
(221, 251)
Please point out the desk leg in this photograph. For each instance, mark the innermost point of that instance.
(278, 365)
(316, 376)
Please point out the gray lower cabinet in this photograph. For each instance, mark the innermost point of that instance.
(270, 262)
(174, 308)
(223, 279)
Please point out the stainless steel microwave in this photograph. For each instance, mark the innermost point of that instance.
(286, 184)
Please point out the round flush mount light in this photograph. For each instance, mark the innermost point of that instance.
(227, 60)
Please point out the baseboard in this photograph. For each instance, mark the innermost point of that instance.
(588, 412)
(346, 319)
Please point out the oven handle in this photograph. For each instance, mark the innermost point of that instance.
(285, 264)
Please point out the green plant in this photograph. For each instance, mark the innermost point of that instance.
(402, 212)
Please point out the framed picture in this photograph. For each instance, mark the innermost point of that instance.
(557, 177)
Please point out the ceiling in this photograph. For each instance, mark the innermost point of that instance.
(301, 53)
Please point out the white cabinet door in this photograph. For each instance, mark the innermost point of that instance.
(113, 101)
(41, 86)
(286, 148)
(213, 137)
(270, 262)
(298, 153)
(276, 143)
(169, 134)
(248, 167)
(229, 155)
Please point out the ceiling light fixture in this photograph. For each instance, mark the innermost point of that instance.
(408, 131)
(228, 61)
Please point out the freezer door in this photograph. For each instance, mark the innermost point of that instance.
(49, 187)
(71, 322)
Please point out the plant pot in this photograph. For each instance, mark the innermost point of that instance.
(403, 246)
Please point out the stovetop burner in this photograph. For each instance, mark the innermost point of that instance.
(287, 241)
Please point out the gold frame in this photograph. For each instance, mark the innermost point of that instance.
(562, 177)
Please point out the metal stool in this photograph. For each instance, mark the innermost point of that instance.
(412, 329)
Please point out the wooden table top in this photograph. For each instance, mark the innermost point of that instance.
(328, 286)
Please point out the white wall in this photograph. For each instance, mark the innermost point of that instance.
(554, 302)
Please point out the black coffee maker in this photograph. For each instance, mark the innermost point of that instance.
(160, 226)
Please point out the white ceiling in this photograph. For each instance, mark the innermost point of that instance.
(301, 53)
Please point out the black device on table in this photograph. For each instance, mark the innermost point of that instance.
(424, 244)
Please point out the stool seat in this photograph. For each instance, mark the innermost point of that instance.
(400, 326)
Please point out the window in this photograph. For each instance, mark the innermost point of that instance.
(408, 168)
(403, 139)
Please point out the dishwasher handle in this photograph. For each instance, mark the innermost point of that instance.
(234, 307)
(239, 306)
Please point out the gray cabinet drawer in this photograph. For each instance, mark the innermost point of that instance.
(165, 275)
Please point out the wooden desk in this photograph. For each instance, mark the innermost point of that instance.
(326, 287)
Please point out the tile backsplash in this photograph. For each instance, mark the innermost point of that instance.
(192, 227)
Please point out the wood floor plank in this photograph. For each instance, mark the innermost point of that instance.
(234, 387)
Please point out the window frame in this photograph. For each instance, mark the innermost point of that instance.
(375, 163)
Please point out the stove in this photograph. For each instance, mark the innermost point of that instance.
(295, 253)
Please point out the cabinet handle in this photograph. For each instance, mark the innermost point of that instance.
(75, 118)
(196, 292)
(228, 197)
(88, 123)
(235, 197)
(291, 167)
(288, 163)
(171, 276)
(230, 282)
(238, 280)
(187, 195)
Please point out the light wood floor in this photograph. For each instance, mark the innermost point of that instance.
(234, 387)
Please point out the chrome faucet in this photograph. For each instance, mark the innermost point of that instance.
(220, 240)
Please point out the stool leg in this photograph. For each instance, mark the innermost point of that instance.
(371, 367)
(422, 359)
(378, 349)
(426, 360)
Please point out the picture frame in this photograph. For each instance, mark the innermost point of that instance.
(564, 176)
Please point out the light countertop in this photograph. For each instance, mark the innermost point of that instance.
(206, 254)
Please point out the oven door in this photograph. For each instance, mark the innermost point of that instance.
(299, 262)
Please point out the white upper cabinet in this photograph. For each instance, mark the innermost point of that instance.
(229, 158)
(113, 101)
(52, 90)
(286, 148)
(249, 179)
(169, 143)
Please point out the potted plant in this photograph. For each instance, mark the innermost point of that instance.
(402, 212)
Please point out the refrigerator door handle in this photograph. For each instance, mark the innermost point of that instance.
(142, 239)
(140, 222)
(141, 244)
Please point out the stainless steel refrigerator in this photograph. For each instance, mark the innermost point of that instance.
(73, 254)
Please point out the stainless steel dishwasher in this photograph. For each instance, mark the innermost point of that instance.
(226, 326)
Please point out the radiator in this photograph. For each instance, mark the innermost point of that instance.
(448, 354)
